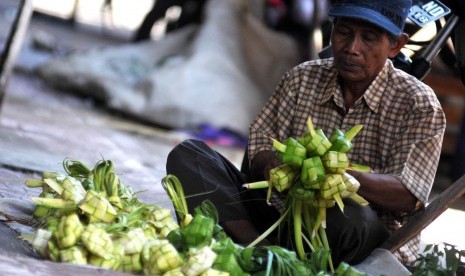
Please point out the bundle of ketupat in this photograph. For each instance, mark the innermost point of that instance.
(234, 259)
(87, 216)
(314, 177)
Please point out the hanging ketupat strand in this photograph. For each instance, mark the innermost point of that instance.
(87, 216)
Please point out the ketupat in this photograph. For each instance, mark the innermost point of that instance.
(101, 242)
(315, 141)
(312, 172)
(132, 241)
(74, 255)
(163, 258)
(322, 184)
(290, 151)
(199, 231)
(161, 214)
(342, 142)
(214, 272)
(149, 221)
(59, 201)
(53, 250)
(41, 211)
(352, 186)
(69, 231)
(60, 205)
(198, 261)
(97, 207)
(97, 240)
(332, 187)
(72, 190)
(345, 269)
(40, 241)
(113, 262)
(55, 184)
(131, 263)
(164, 228)
(108, 263)
(230, 259)
(281, 178)
(335, 162)
(299, 192)
(226, 261)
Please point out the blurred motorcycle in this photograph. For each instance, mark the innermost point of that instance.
(449, 45)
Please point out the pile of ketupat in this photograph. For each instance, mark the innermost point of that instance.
(313, 175)
(87, 216)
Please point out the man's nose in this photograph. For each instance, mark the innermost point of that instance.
(354, 44)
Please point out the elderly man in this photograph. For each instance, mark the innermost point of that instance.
(401, 139)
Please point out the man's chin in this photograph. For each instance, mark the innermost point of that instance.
(351, 75)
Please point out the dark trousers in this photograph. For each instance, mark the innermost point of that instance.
(206, 174)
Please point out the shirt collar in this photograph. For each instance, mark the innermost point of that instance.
(332, 89)
(375, 91)
(372, 95)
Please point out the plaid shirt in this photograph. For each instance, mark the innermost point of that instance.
(402, 135)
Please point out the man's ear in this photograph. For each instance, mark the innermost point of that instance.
(398, 44)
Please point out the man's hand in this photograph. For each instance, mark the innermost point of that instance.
(385, 191)
(261, 165)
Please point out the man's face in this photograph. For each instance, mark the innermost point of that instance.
(360, 49)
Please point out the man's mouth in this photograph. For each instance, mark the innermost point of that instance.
(350, 64)
(347, 65)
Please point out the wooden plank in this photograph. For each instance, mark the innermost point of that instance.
(13, 43)
(414, 227)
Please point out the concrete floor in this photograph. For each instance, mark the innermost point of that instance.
(40, 127)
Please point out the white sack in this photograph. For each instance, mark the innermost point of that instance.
(221, 72)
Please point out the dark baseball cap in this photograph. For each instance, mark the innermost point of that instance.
(389, 15)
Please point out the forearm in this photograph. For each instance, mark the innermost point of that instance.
(385, 191)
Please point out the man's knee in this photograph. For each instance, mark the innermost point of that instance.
(354, 233)
(186, 150)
